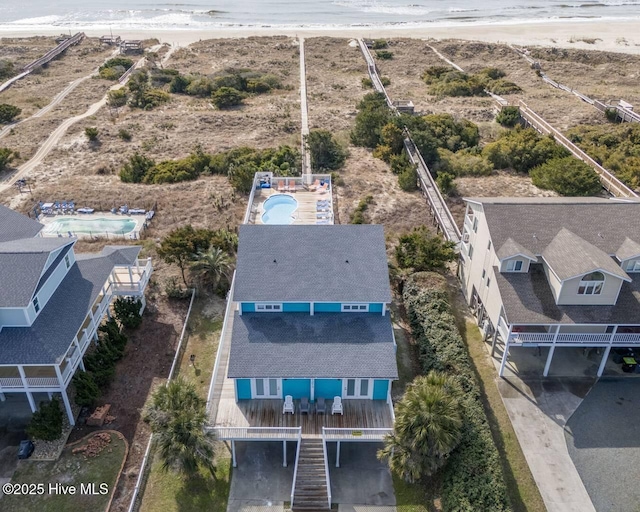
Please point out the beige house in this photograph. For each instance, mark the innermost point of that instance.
(553, 272)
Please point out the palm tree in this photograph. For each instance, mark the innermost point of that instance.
(427, 428)
(177, 417)
(211, 267)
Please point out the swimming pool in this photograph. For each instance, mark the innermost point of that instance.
(278, 209)
(97, 227)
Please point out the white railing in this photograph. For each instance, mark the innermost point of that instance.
(11, 382)
(583, 338)
(43, 382)
(295, 467)
(531, 337)
(355, 434)
(626, 338)
(577, 338)
(255, 433)
(326, 468)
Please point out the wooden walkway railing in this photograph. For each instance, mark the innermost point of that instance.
(609, 182)
(437, 205)
(306, 157)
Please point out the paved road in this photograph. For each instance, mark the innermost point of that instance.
(603, 440)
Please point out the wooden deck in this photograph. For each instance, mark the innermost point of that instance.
(306, 212)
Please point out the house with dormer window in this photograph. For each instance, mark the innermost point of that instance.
(52, 302)
(553, 272)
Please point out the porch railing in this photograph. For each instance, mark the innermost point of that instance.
(326, 468)
(576, 338)
(32, 382)
(295, 467)
(255, 433)
(11, 382)
(355, 434)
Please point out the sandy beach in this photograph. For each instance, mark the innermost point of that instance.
(606, 35)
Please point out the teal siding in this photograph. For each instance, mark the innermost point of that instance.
(297, 388)
(248, 307)
(243, 389)
(380, 389)
(327, 307)
(375, 308)
(296, 307)
(327, 388)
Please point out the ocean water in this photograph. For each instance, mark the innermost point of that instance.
(211, 14)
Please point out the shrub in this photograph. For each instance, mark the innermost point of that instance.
(179, 84)
(367, 83)
(385, 81)
(117, 98)
(445, 81)
(357, 217)
(175, 290)
(326, 153)
(87, 391)
(473, 479)
(567, 176)
(379, 44)
(114, 68)
(384, 54)
(6, 157)
(227, 97)
(446, 184)
(373, 115)
(611, 114)
(46, 423)
(8, 113)
(502, 87)
(201, 87)
(509, 116)
(462, 163)
(135, 170)
(419, 250)
(124, 134)
(127, 311)
(7, 69)
(91, 133)
(257, 86)
(408, 179)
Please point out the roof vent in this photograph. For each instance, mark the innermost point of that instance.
(346, 261)
(600, 235)
(275, 261)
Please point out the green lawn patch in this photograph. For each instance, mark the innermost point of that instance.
(69, 470)
(411, 497)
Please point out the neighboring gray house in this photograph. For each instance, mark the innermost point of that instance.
(553, 272)
(52, 302)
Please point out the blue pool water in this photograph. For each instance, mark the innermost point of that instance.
(278, 209)
(97, 227)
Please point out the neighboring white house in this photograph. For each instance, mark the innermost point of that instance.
(555, 272)
(52, 302)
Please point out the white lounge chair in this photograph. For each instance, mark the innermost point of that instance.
(336, 407)
(288, 405)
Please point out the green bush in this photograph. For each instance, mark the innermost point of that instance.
(567, 176)
(87, 391)
(502, 87)
(199, 86)
(385, 81)
(111, 73)
(326, 153)
(384, 54)
(127, 311)
(367, 83)
(179, 84)
(420, 250)
(227, 97)
(6, 157)
(373, 115)
(472, 480)
(124, 134)
(357, 217)
(8, 113)
(611, 114)
(379, 44)
(462, 163)
(46, 423)
(7, 69)
(175, 290)
(509, 116)
(408, 179)
(522, 149)
(114, 68)
(161, 77)
(446, 184)
(92, 133)
(117, 98)
(135, 170)
(445, 81)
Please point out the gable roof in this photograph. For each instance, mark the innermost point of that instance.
(325, 345)
(14, 225)
(569, 256)
(335, 263)
(117, 254)
(512, 248)
(534, 222)
(629, 249)
(22, 263)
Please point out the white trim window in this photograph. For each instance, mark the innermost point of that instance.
(515, 265)
(266, 388)
(591, 284)
(633, 266)
(357, 388)
(355, 308)
(269, 307)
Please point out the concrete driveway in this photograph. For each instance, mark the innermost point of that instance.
(15, 415)
(603, 439)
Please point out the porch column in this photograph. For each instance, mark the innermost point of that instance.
(284, 453)
(23, 377)
(2, 397)
(384, 309)
(603, 363)
(233, 453)
(65, 397)
(311, 308)
(130, 275)
(338, 454)
(313, 390)
(549, 358)
(504, 355)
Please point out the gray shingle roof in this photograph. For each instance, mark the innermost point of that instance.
(22, 264)
(528, 299)
(341, 263)
(534, 222)
(118, 254)
(327, 345)
(14, 225)
(629, 249)
(569, 256)
(50, 336)
(512, 248)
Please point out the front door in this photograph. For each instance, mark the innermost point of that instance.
(266, 388)
(356, 388)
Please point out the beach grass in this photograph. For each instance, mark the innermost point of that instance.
(168, 491)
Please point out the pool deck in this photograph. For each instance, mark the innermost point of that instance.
(134, 234)
(306, 212)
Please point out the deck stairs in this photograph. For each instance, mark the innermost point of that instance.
(311, 484)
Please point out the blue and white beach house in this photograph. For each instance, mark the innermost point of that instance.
(52, 302)
(307, 352)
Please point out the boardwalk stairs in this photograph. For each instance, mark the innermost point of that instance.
(311, 492)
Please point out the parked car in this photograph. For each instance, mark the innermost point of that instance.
(26, 449)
